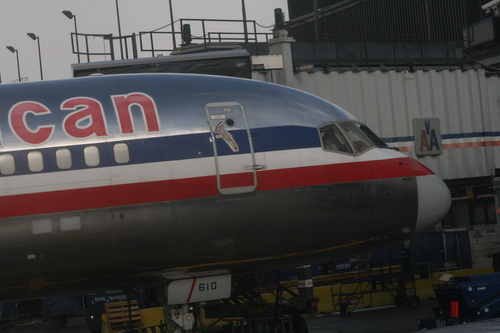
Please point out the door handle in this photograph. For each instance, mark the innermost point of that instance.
(255, 167)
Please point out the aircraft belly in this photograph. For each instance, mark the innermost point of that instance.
(240, 232)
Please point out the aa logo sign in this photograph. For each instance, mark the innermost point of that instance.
(427, 133)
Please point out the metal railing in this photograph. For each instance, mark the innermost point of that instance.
(235, 37)
(85, 49)
(251, 35)
(151, 43)
(151, 36)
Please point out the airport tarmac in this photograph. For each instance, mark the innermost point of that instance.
(75, 325)
(389, 319)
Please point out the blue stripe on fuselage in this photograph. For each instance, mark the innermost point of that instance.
(172, 148)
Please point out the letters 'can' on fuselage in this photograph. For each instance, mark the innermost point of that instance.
(104, 179)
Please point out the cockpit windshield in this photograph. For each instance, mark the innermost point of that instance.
(355, 136)
(334, 140)
(349, 137)
(372, 136)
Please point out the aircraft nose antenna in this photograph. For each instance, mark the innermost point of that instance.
(434, 201)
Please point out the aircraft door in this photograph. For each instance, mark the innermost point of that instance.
(233, 150)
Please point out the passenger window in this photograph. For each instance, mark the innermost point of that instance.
(91, 154)
(334, 140)
(361, 143)
(72, 223)
(7, 164)
(39, 227)
(121, 152)
(35, 161)
(63, 158)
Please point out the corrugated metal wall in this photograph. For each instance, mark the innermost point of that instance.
(381, 20)
(466, 102)
(493, 96)
(407, 19)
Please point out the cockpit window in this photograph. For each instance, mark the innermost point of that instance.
(334, 140)
(372, 136)
(356, 136)
(349, 137)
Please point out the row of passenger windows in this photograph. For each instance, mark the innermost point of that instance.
(64, 159)
(46, 226)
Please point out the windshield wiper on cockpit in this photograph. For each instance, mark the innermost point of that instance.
(388, 147)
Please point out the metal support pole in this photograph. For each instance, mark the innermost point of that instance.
(245, 28)
(35, 37)
(40, 58)
(305, 282)
(70, 15)
(18, 67)
(316, 20)
(77, 44)
(172, 24)
(305, 287)
(496, 190)
(119, 28)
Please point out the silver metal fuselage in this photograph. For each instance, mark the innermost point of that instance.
(106, 181)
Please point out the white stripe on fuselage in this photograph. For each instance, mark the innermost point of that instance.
(181, 169)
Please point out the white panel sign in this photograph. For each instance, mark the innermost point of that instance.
(484, 241)
(273, 61)
(199, 289)
(427, 132)
(305, 283)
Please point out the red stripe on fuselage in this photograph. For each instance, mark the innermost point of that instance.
(340, 173)
(420, 169)
(201, 187)
(107, 196)
(237, 180)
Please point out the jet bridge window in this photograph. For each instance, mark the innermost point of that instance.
(334, 140)
(354, 134)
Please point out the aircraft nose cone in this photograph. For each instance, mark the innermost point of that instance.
(434, 201)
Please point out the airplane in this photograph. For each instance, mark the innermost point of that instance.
(106, 181)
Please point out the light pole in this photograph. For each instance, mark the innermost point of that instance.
(35, 37)
(13, 50)
(70, 15)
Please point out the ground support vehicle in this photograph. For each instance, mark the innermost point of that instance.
(465, 299)
(55, 309)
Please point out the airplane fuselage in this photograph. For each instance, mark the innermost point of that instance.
(106, 180)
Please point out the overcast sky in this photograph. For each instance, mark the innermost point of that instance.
(45, 19)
